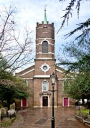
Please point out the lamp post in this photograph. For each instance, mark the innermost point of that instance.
(53, 79)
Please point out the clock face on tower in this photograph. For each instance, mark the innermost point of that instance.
(45, 67)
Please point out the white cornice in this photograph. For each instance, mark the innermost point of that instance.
(63, 79)
(27, 72)
(42, 27)
(41, 43)
(45, 53)
(42, 76)
(59, 71)
(28, 78)
(45, 38)
(44, 58)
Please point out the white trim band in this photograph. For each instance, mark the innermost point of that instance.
(48, 43)
(59, 70)
(45, 53)
(45, 58)
(42, 76)
(28, 78)
(65, 78)
(27, 72)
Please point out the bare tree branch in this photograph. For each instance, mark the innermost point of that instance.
(15, 50)
(82, 26)
(68, 11)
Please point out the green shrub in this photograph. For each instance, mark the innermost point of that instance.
(12, 119)
(5, 122)
(85, 111)
(1, 105)
(84, 115)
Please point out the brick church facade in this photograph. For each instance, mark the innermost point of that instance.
(38, 75)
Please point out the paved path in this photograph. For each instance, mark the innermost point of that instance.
(41, 118)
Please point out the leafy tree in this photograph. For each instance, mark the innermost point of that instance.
(78, 52)
(11, 87)
(79, 88)
(3, 63)
(9, 93)
(79, 49)
(77, 57)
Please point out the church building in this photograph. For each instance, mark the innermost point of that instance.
(38, 75)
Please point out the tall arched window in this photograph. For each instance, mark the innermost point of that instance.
(45, 86)
(26, 82)
(45, 47)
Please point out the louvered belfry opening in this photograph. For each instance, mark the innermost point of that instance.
(45, 47)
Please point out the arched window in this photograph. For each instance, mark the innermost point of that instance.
(45, 47)
(26, 82)
(45, 86)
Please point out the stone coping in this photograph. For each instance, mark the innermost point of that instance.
(87, 122)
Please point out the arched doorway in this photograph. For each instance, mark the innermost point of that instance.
(45, 101)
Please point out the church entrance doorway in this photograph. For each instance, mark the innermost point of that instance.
(45, 101)
(24, 103)
(65, 102)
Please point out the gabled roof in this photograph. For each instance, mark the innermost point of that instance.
(64, 73)
(26, 71)
(59, 69)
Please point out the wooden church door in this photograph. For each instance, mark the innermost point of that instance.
(66, 102)
(24, 103)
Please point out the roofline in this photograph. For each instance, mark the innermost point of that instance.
(25, 69)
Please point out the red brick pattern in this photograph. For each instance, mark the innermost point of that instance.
(35, 76)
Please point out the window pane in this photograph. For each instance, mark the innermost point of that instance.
(45, 86)
(45, 47)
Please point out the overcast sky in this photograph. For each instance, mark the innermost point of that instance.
(31, 11)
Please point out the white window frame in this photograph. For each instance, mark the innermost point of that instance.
(42, 47)
(47, 87)
(48, 67)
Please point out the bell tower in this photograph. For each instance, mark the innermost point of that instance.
(44, 62)
(45, 42)
(45, 39)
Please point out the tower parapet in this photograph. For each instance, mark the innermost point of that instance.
(45, 30)
(45, 39)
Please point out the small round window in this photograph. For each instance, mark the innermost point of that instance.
(45, 67)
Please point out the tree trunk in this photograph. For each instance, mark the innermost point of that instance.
(83, 97)
(8, 104)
